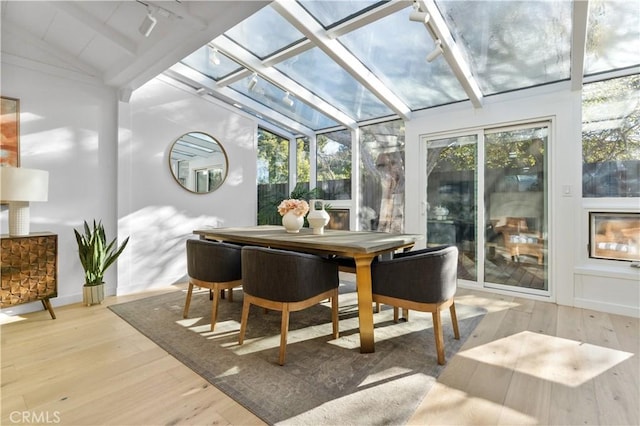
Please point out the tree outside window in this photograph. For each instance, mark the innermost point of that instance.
(611, 138)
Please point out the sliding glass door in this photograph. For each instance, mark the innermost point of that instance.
(487, 194)
(452, 198)
(515, 199)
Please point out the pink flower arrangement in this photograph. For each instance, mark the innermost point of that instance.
(298, 207)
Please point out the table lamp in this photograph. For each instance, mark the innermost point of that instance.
(18, 187)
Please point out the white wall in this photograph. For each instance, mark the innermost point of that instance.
(154, 210)
(67, 127)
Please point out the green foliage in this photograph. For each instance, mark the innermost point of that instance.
(94, 252)
(302, 192)
(611, 120)
(273, 158)
(303, 163)
(334, 156)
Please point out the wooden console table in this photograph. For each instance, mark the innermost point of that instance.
(29, 269)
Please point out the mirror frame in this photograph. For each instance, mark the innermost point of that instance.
(224, 153)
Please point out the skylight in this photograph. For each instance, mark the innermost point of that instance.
(348, 62)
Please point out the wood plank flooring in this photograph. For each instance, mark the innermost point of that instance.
(527, 362)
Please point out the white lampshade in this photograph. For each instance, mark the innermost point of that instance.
(19, 186)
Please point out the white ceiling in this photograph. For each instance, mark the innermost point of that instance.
(100, 39)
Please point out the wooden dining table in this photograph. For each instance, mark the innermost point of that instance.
(361, 246)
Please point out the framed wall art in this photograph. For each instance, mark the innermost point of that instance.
(10, 129)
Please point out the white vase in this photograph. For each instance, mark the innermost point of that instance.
(318, 218)
(292, 222)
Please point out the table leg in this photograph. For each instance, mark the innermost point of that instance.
(365, 301)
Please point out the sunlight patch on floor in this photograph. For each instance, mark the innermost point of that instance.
(230, 372)
(444, 403)
(555, 359)
(389, 393)
(385, 375)
(8, 319)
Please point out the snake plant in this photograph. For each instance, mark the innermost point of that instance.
(94, 252)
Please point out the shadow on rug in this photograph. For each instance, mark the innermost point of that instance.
(324, 381)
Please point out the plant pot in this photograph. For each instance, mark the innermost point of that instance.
(92, 294)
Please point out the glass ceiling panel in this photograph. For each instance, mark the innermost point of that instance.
(201, 60)
(395, 50)
(264, 33)
(613, 35)
(321, 75)
(272, 96)
(512, 44)
(329, 13)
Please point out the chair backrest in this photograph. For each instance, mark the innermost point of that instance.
(213, 261)
(426, 276)
(286, 276)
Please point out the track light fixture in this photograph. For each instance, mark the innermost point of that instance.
(213, 56)
(148, 23)
(253, 82)
(287, 100)
(417, 16)
(437, 51)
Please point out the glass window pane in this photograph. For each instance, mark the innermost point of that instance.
(251, 33)
(382, 195)
(273, 97)
(273, 176)
(333, 174)
(332, 12)
(202, 60)
(515, 194)
(320, 74)
(395, 50)
(303, 165)
(512, 44)
(611, 138)
(451, 198)
(613, 35)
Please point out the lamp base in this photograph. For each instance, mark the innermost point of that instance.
(18, 218)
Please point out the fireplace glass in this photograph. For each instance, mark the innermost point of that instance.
(614, 236)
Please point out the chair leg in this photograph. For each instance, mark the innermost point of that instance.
(334, 314)
(214, 308)
(405, 314)
(284, 328)
(395, 314)
(243, 321)
(437, 331)
(188, 301)
(230, 295)
(454, 321)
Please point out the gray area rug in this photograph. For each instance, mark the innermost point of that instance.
(324, 381)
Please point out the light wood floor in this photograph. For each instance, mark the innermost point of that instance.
(526, 363)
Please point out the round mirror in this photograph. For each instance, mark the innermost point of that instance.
(198, 162)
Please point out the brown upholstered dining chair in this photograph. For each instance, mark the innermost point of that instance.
(213, 265)
(286, 281)
(423, 280)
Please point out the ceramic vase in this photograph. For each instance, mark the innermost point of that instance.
(318, 217)
(292, 222)
(92, 294)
